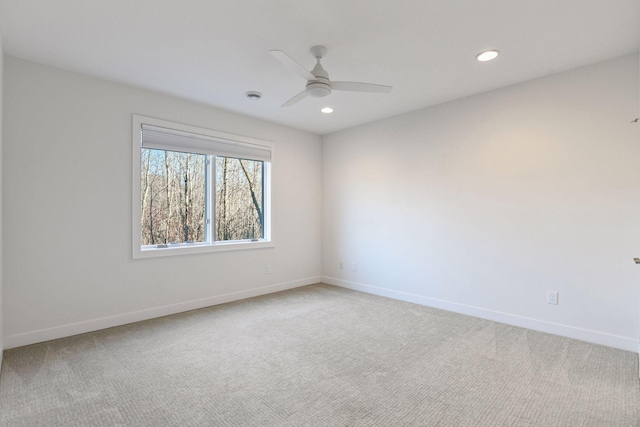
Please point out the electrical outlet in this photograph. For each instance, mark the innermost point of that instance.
(268, 268)
(552, 297)
(354, 267)
(341, 264)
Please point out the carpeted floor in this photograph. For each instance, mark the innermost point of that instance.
(318, 356)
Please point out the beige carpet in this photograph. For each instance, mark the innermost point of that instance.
(318, 356)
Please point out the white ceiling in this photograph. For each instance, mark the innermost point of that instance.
(213, 51)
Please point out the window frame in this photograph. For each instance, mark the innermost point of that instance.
(140, 251)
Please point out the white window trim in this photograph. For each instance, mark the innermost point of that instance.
(194, 248)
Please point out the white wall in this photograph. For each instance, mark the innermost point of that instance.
(67, 222)
(482, 205)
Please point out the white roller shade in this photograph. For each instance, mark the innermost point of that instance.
(175, 140)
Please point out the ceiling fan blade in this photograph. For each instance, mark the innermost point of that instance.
(360, 87)
(299, 97)
(292, 64)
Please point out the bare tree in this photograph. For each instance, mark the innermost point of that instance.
(257, 205)
(239, 199)
(173, 198)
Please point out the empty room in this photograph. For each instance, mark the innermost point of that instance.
(297, 213)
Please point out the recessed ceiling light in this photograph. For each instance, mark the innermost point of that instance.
(253, 95)
(487, 55)
(327, 110)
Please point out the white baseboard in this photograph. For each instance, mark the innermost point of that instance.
(596, 337)
(33, 337)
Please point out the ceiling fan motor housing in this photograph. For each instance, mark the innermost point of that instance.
(319, 88)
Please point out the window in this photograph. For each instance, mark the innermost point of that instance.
(198, 190)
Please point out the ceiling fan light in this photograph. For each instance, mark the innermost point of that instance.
(318, 89)
(487, 55)
(327, 110)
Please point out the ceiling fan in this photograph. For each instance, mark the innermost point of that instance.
(318, 83)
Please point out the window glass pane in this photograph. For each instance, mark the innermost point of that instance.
(173, 197)
(239, 201)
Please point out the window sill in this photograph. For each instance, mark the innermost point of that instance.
(153, 252)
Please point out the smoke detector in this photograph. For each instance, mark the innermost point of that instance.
(253, 95)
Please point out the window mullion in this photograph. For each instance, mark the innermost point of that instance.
(211, 199)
